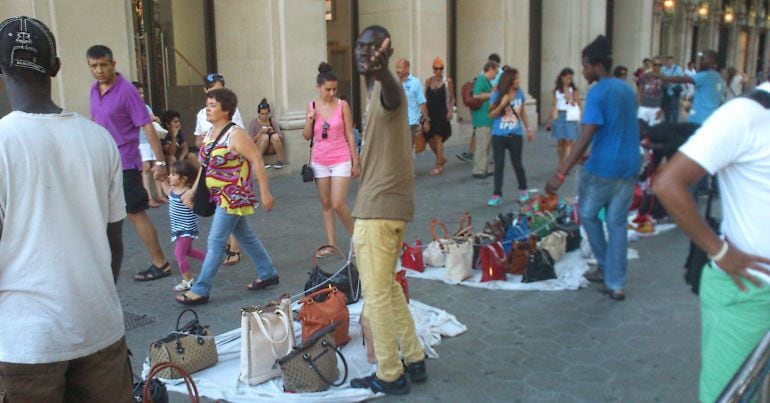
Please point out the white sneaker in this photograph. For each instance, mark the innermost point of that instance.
(184, 285)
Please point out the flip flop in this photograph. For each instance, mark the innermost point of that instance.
(185, 299)
(257, 285)
(228, 258)
(325, 252)
(436, 171)
(153, 273)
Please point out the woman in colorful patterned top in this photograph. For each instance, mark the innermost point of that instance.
(233, 160)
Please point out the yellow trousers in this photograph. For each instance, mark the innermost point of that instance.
(378, 246)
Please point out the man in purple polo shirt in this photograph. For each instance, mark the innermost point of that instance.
(116, 105)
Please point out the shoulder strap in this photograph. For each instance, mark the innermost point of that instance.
(214, 144)
(712, 192)
(761, 97)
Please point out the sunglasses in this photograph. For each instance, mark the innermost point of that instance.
(438, 68)
(213, 77)
(324, 133)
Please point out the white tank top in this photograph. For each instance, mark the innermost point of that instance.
(561, 100)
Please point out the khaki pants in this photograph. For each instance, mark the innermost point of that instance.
(377, 246)
(103, 376)
(481, 155)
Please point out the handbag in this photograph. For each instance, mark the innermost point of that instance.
(411, 256)
(573, 113)
(315, 315)
(157, 389)
(539, 267)
(307, 172)
(555, 244)
(202, 204)
(404, 283)
(267, 334)
(519, 256)
(492, 262)
(542, 224)
(573, 235)
(549, 202)
(459, 260)
(191, 347)
(149, 392)
(479, 240)
(419, 142)
(313, 366)
(697, 257)
(345, 280)
(518, 231)
(465, 230)
(435, 254)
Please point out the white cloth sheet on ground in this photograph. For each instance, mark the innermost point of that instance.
(221, 380)
(569, 276)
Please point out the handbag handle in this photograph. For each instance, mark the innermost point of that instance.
(311, 298)
(326, 344)
(465, 221)
(282, 317)
(179, 318)
(192, 390)
(493, 250)
(433, 223)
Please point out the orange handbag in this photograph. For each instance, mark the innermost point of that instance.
(315, 315)
(519, 256)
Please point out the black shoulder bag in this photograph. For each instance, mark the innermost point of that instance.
(307, 171)
(697, 257)
(202, 204)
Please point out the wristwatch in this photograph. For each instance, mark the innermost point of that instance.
(160, 163)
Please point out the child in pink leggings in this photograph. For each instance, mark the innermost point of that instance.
(184, 222)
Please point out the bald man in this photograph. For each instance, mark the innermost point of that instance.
(417, 110)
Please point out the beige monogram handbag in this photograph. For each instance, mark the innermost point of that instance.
(191, 347)
(267, 334)
(313, 366)
(555, 244)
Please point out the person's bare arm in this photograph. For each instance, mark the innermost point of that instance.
(553, 111)
(390, 95)
(307, 131)
(115, 239)
(497, 109)
(160, 172)
(347, 117)
(672, 187)
(579, 148)
(483, 95)
(450, 104)
(525, 120)
(242, 144)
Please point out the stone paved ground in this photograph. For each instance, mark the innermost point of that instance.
(564, 346)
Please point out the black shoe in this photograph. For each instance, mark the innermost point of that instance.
(397, 387)
(480, 176)
(416, 371)
(465, 157)
(617, 295)
(595, 276)
(260, 285)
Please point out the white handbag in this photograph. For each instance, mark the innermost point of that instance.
(555, 244)
(573, 113)
(459, 260)
(267, 335)
(435, 254)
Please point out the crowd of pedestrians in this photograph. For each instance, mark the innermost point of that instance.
(121, 146)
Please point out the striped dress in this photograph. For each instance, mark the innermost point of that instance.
(184, 222)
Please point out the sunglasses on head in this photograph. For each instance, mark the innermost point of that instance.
(213, 77)
(438, 67)
(324, 133)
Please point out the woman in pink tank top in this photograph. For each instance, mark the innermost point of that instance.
(333, 154)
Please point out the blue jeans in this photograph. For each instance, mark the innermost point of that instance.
(671, 108)
(222, 226)
(613, 194)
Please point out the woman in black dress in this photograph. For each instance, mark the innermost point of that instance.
(439, 94)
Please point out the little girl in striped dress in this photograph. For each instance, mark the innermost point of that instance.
(184, 222)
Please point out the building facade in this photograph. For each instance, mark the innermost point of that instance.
(271, 48)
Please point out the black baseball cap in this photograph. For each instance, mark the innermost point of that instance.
(26, 43)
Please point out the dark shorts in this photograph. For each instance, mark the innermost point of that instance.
(137, 199)
(103, 376)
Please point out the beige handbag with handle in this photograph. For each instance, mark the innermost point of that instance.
(555, 244)
(267, 335)
(435, 254)
(459, 260)
(191, 347)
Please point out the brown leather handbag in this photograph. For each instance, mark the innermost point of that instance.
(157, 369)
(519, 256)
(465, 230)
(315, 315)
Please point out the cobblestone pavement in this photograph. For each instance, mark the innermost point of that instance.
(563, 346)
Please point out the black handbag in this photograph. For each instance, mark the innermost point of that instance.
(202, 204)
(697, 257)
(346, 280)
(158, 391)
(539, 267)
(573, 235)
(307, 171)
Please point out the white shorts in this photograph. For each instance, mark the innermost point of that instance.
(324, 171)
(146, 151)
(647, 114)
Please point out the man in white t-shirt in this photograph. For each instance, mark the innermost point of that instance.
(60, 237)
(734, 142)
(213, 81)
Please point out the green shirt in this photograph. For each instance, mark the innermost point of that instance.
(481, 116)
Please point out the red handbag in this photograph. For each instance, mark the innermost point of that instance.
(411, 256)
(493, 265)
(315, 315)
(401, 279)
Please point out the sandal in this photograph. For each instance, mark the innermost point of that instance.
(185, 299)
(153, 273)
(324, 252)
(437, 170)
(617, 295)
(184, 285)
(257, 285)
(229, 261)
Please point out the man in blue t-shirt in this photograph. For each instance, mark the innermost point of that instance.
(709, 87)
(607, 182)
(673, 91)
